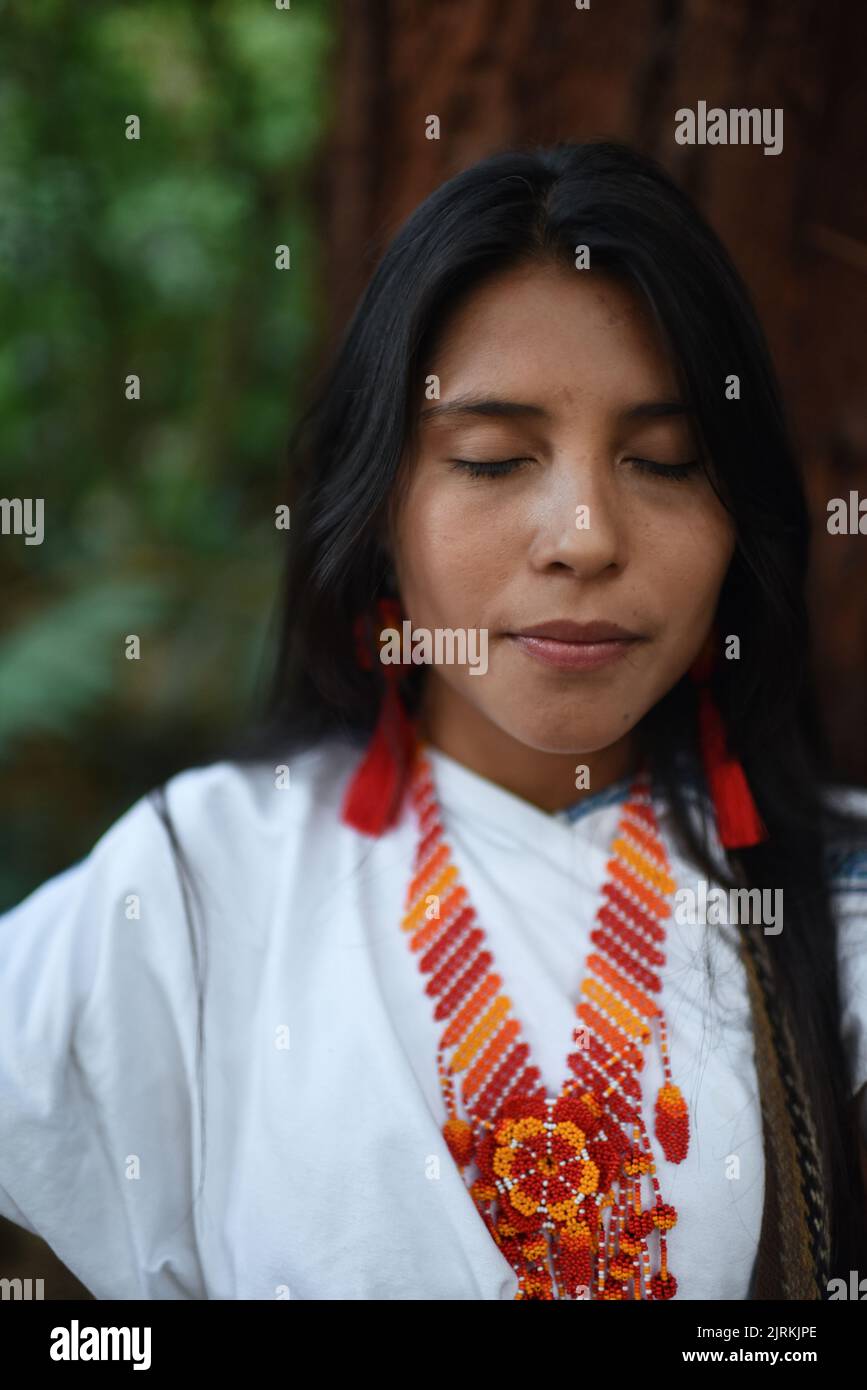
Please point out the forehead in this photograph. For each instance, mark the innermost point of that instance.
(552, 329)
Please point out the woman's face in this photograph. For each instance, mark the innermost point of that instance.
(578, 388)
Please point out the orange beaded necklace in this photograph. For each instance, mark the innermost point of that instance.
(548, 1168)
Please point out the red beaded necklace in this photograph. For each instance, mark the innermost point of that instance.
(548, 1168)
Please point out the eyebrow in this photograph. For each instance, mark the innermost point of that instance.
(494, 407)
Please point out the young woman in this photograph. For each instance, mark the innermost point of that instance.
(534, 967)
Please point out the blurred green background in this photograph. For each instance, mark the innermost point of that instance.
(153, 257)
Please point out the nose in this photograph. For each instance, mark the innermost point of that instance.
(578, 519)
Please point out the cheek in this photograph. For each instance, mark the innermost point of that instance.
(452, 552)
(690, 564)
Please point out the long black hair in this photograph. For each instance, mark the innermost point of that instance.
(539, 205)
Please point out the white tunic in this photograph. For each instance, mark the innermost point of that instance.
(325, 1172)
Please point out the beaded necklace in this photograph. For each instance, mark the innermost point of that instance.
(549, 1167)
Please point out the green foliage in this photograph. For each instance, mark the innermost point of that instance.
(156, 258)
(56, 664)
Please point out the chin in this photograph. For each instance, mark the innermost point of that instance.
(564, 736)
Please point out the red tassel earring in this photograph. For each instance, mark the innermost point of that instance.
(375, 793)
(738, 821)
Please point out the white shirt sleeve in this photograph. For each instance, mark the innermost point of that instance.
(99, 1101)
(848, 868)
(851, 912)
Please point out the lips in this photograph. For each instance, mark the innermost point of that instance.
(576, 647)
(563, 630)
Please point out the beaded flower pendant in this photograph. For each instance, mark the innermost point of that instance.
(559, 1178)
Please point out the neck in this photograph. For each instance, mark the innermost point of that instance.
(546, 780)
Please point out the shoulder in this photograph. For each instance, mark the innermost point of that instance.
(101, 985)
(262, 795)
(226, 806)
(217, 827)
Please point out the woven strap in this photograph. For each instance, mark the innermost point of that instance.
(793, 1260)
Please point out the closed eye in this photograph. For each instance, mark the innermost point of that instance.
(488, 468)
(677, 472)
(496, 468)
